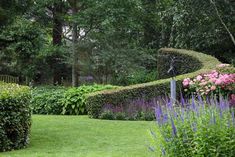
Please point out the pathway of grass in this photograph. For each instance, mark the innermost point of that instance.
(79, 136)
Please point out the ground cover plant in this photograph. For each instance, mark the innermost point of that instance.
(60, 100)
(15, 116)
(80, 136)
(195, 128)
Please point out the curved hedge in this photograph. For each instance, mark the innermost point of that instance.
(15, 116)
(190, 65)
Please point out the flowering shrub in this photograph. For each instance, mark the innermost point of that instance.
(194, 129)
(216, 83)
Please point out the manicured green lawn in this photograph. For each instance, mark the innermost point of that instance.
(79, 136)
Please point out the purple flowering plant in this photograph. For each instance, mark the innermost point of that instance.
(194, 127)
(139, 109)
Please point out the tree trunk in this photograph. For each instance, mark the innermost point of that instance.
(57, 41)
(74, 50)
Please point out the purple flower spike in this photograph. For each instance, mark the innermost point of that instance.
(233, 118)
(158, 114)
(169, 104)
(193, 103)
(174, 131)
(208, 101)
(182, 99)
(165, 118)
(200, 100)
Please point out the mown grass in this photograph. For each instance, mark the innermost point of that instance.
(79, 136)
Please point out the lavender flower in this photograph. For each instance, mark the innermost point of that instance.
(200, 99)
(174, 131)
(158, 114)
(182, 100)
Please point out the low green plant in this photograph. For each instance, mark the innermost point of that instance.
(15, 116)
(60, 100)
(109, 115)
(47, 99)
(74, 100)
(120, 116)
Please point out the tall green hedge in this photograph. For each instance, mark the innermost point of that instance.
(190, 64)
(15, 116)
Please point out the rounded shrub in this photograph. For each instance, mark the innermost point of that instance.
(15, 116)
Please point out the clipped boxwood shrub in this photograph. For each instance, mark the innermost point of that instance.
(193, 64)
(15, 116)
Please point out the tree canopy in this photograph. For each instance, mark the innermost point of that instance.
(50, 41)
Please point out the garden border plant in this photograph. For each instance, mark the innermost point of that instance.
(191, 64)
(15, 116)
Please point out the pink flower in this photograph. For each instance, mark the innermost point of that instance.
(218, 82)
(186, 82)
(213, 88)
(213, 80)
(199, 77)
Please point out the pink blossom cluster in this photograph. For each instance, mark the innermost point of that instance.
(210, 82)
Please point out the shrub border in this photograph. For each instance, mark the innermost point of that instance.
(123, 95)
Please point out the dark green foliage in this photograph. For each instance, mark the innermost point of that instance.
(15, 116)
(59, 100)
(120, 116)
(191, 24)
(107, 115)
(139, 76)
(124, 95)
(135, 116)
